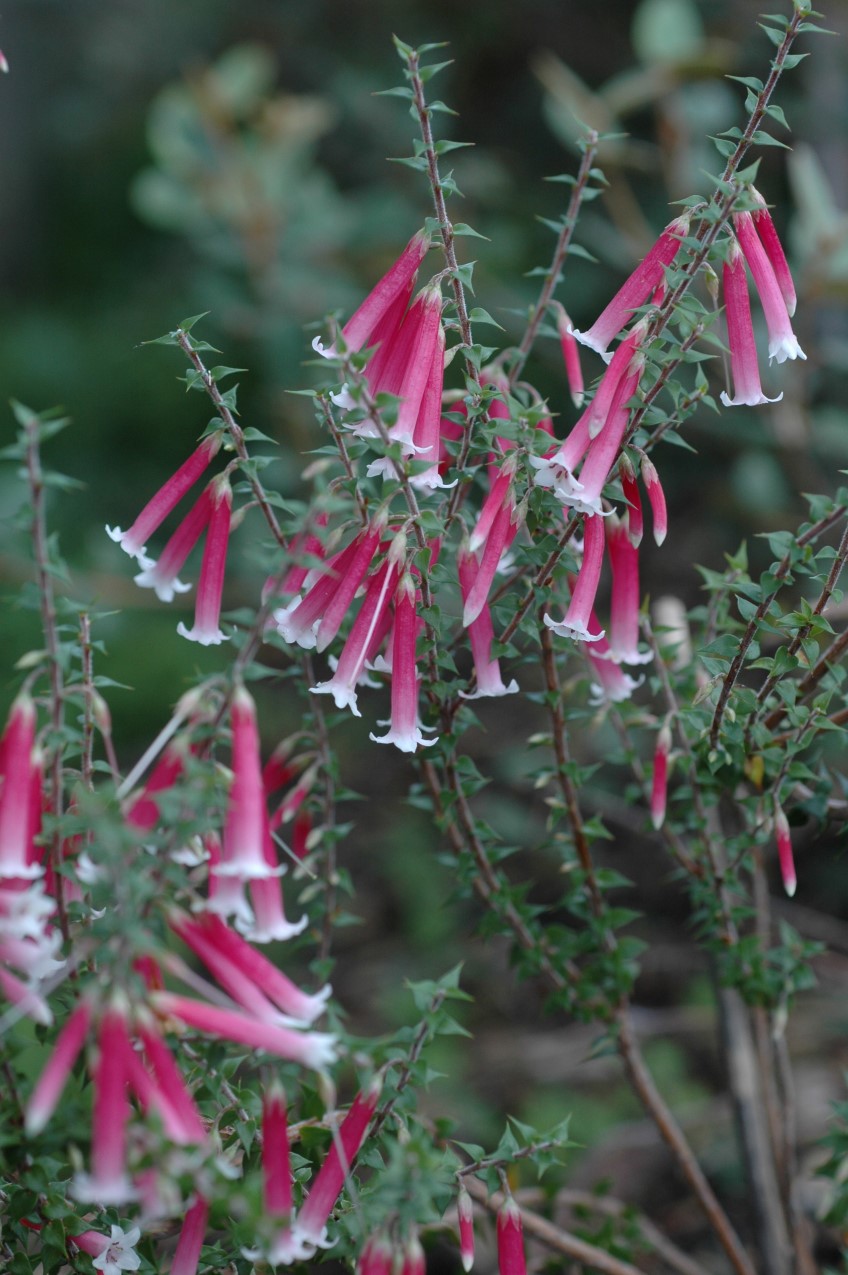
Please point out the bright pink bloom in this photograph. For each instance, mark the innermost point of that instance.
(52, 1080)
(647, 276)
(659, 784)
(774, 251)
(298, 621)
(511, 1260)
(143, 812)
(210, 588)
(289, 807)
(166, 499)
(377, 1257)
(465, 1215)
(504, 529)
(17, 858)
(570, 356)
(575, 622)
(183, 1121)
(427, 435)
(305, 545)
(244, 829)
(370, 620)
(656, 496)
(493, 503)
(783, 343)
(276, 1160)
(481, 635)
(635, 522)
(228, 954)
(312, 1049)
(108, 1182)
(740, 335)
(784, 850)
(585, 495)
(186, 1257)
(337, 608)
(405, 731)
(396, 284)
(269, 924)
(624, 603)
(412, 1260)
(311, 1224)
(613, 685)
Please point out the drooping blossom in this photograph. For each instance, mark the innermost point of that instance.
(585, 495)
(311, 1223)
(465, 1217)
(656, 497)
(576, 621)
(504, 528)
(481, 636)
(405, 730)
(659, 782)
(783, 344)
(286, 1245)
(412, 1261)
(243, 844)
(570, 356)
(648, 275)
(317, 1050)
(784, 850)
(427, 435)
(186, 1259)
(774, 250)
(305, 545)
(748, 390)
(19, 773)
(396, 284)
(210, 588)
(511, 1259)
(625, 597)
(377, 1256)
(612, 685)
(630, 488)
(315, 618)
(108, 1182)
(557, 468)
(154, 513)
(369, 622)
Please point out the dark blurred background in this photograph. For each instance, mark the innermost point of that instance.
(161, 159)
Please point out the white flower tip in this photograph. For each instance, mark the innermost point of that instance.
(586, 338)
(790, 886)
(471, 612)
(577, 400)
(202, 637)
(785, 348)
(658, 819)
(326, 351)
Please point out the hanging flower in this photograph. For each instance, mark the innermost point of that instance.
(207, 615)
(154, 513)
(465, 1217)
(575, 623)
(784, 850)
(624, 602)
(511, 1260)
(659, 782)
(405, 729)
(740, 335)
(783, 344)
(481, 636)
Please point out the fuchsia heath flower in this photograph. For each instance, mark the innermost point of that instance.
(576, 621)
(744, 367)
(156, 510)
(207, 614)
(405, 729)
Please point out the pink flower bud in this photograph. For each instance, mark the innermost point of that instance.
(511, 1260)
(784, 850)
(659, 785)
(656, 497)
(634, 520)
(465, 1214)
(570, 356)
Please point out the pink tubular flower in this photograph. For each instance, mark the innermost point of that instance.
(493, 503)
(784, 850)
(305, 545)
(163, 574)
(656, 496)
(299, 621)
(635, 522)
(244, 829)
(415, 352)
(339, 604)
(405, 731)
(186, 1257)
(108, 1182)
(143, 811)
(374, 610)
(19, 771)
(210, 588)
(783, 343)
(465, 1215)
(740, 336)
(166, 499)
(276, 1161)
(585, 496)
(570, 356)
(226, 953)
(659, 784)
(269, 923)
(647, 276)
(511, 1259)
(481, 635)
(613, 685)
(52, 1080)
(427, 436)
(311, 1225)
(377, 1257)
(171, 1096)
(312, 1049)
(575, 622)
(505, 525)
(624, 604)
(396, 283)
(774, 251)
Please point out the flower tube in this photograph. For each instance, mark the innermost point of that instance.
(511, 1260)
(481, 635)
(166, 499)
(207, 614)
(405, 731)
(765, 228)
(783, 344)
(395, 284)
(575, 623)
(744, 368)
(624, 603)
